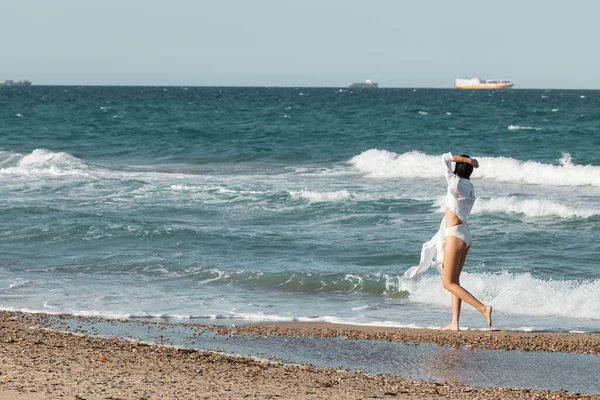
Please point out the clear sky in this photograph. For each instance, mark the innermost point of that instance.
(398, 43)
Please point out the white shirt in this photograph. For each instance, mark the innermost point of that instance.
(461, 193)
(460, 198)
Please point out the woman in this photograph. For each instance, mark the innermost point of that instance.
(447, 250)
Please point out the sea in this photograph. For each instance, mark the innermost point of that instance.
(229, 205)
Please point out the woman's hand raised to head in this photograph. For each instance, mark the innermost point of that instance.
(474, 163)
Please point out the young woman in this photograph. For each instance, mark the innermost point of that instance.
(447, 250)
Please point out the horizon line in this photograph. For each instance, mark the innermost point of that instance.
(287, 87)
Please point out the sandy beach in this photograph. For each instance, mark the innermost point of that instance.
(42, 364)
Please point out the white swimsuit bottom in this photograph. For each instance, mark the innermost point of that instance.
(460, 231)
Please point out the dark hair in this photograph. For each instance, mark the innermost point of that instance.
(462, 169)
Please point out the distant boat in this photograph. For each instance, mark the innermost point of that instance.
(16, 82)
(476, 83)
(366, 84)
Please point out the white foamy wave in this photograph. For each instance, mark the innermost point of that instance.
(41, 162)
(386, 164)
(18, 284)
(317, 197)
(217, 275)
(531, 208)
(149, 315)
(522, 128)
(9, 158)
(261, 317)
(533, 172)
(517, 294)
(565, 160)
(365, 307)
(109, 315)
(256, 317)
(185, 188)
(123, 315)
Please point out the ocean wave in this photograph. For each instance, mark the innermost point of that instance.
(212, 189)
(526, 207)
(259, 316)
(114, 314)
(47, 163)
(522, 128)
(516, 294)
(531, 208)
(302, 282)
(19, 283)
(230, 316)
(386, 164)
(319, 197)
(532, 172)
(41, 162)
(519, 294)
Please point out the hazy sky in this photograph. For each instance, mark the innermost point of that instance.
(398, 43)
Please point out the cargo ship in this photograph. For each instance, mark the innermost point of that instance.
(476, 83)
(15, 82)
(366, 84)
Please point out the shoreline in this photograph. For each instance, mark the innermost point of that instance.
(40, 363)
(494, 339)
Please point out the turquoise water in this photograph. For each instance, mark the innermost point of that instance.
(253, 204)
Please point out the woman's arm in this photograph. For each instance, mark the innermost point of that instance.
(466, 160)
(449, 158)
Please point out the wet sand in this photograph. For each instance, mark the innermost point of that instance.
(41, 364)
(584, 343)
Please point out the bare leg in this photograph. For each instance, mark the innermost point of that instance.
(457, 302)
(453, 255)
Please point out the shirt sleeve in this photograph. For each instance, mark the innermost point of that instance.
(447, 166)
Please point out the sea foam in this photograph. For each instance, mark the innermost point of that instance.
(41, 162)
(386, 164)
(526, 207)
(531, 208)
(517, 294)
(316, 197)
(522, 128)
(509, 293)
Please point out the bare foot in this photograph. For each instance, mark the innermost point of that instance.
(487, 314)
(451, 327)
